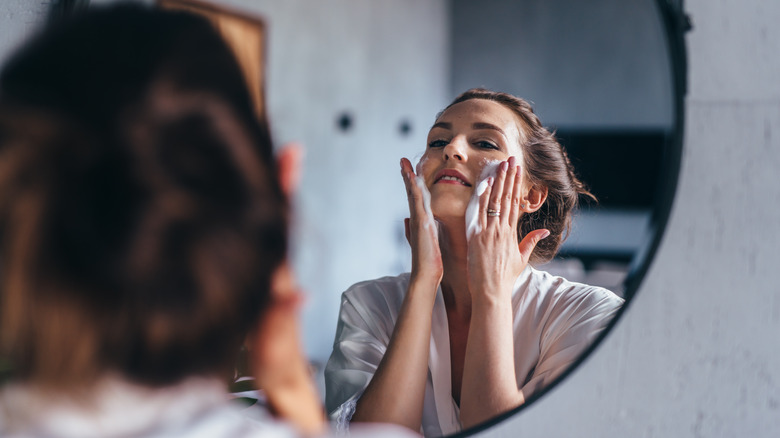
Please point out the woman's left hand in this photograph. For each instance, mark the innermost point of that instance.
(494, 261)
(495, 258)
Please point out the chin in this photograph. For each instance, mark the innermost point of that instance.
(448, 208)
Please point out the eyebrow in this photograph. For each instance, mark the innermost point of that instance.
(476, 125)
(480, 125)
(443, 125)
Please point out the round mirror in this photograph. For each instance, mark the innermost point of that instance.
(360, 84)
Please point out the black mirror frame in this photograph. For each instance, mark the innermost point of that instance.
(676, 23)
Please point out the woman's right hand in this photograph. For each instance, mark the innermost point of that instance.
(404, 365)
(422, 230)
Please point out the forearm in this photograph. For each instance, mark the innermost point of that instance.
(489, 384)
(397, 389)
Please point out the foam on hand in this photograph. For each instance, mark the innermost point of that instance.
(426, 194)
(426, 197)
(472, 211)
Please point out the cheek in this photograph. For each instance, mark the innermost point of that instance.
(424, 167)
(488, 167)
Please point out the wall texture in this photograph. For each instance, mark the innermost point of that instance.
(18, 18)
(585, 64)
(697, 353)
(349, 56)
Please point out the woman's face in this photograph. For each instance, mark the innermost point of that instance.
(464, 138)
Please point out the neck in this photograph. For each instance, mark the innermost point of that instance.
(454, 283)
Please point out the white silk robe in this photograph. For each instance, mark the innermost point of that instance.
(554, 321)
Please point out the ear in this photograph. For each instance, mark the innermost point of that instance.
(534, 199)
(289, 161)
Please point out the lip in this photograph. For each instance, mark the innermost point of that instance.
(453, 174)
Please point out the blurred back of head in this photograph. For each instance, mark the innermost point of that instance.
(140, 213)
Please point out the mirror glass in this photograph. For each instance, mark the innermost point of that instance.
(598, 74)
(360, 83)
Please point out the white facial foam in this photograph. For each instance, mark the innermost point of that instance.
(420, 182)
(472, 211)
(429, 220)
(418, 167)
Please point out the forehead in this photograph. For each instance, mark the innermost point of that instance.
(472, 111)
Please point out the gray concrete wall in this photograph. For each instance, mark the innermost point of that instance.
(383, 63)
(585, 64)
(18, 19)
(697, 353)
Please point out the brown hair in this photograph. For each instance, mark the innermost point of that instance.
(547, 165)
(140, 214)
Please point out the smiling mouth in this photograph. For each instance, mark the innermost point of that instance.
(449, 179)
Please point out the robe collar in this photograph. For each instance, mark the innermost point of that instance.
(439, 360)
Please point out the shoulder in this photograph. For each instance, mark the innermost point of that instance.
(373, 305)
(562, 296)
(389, 290)
(195, 408)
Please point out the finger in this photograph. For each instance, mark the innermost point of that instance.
(406, 172)
(509, 191)
(529, 242)
(484, 200)
(423, 203)
(408, 175)
(407, 231)
(415, 196)
(289, 161)
(498, 189)
(517, 195)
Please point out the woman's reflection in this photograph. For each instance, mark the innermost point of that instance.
(473, 330)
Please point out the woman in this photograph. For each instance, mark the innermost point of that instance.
(143, 235)
(473, 330)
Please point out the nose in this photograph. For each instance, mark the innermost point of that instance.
(456, 149)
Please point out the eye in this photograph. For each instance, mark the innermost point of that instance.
(486, 145)
(437, 144)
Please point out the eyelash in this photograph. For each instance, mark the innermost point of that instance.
(480, 144)
(487, 145)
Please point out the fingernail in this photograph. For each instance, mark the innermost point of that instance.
(490, 181)
(504, 166)
(512, 160)
(545, 234)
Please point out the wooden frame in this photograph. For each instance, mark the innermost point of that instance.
(244, 34)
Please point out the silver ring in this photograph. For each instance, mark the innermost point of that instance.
(491, 212)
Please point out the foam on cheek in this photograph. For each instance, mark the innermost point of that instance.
(472, 211)
(420, 164)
